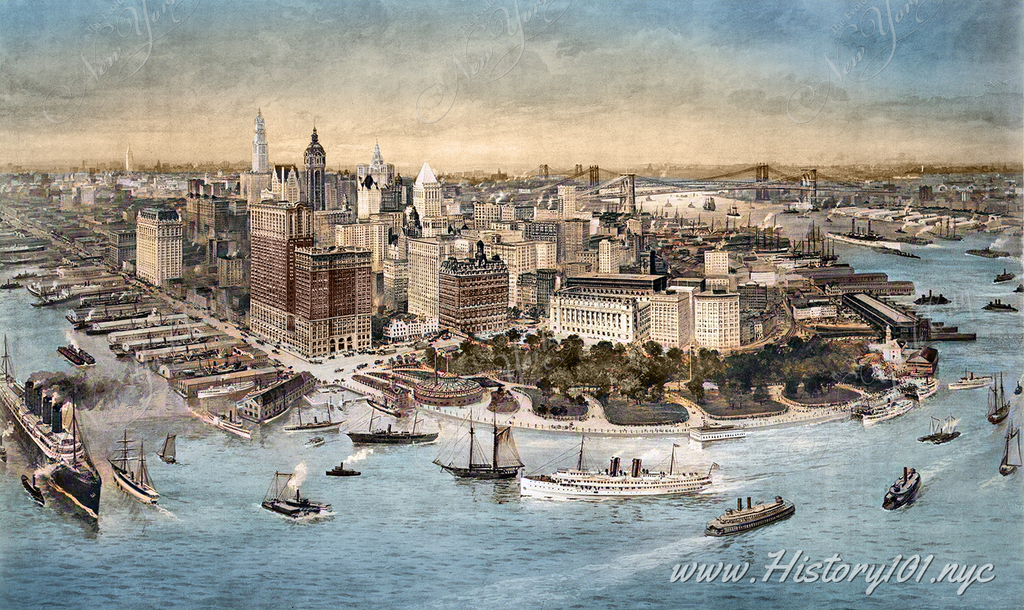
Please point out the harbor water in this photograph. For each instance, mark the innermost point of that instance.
(406, 535)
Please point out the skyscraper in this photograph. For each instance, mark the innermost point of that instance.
(425, 257)
(276, 229)
(129, 160)
(316, 162)
(427, 194)
(333, 295)
(158, 235)
(376, 186)
(473, 294)
(260, 162)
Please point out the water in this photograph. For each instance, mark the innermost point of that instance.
(404, 535)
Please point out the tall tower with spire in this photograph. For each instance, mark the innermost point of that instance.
(376, 187)
(129, 160)
(260, 162)
(316, 162)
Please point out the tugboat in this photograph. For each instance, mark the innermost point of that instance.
(341, 471)
(903, 490)
(75, 355)
(1019, 288)
(10, 285)
(504, 463)
(930, 299)
(33, 490)
(751, 517)
(279, 500)
(998, 405)
(999, 305)
(1011, 454)
(733, 212)
(1018, 390)
(1004, 277)
(943, 431)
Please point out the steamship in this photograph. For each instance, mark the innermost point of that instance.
(751, 517)
(577, 483)
(53, 438)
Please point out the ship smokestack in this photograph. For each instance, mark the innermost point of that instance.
(636, 467)
(29, 386)
(46, 410)
(58, 420)
(739, 503)
(614, 468)
(748, 502)
(904, 473)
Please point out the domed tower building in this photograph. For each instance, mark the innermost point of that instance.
(316, 163)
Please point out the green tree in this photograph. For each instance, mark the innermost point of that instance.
(761, 394)
(696, 388)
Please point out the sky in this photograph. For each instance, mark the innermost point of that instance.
(487, 84)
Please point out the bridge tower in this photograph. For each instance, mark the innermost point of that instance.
(628, 187)
(761, 175)
(809, 179)
(595, 178)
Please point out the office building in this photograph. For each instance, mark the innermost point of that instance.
(158, 237)
(474, 294)
(716, 322)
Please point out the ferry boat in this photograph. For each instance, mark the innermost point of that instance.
(135, 480)
(76, 356)
(891, 411)
(1011, 454)
(577, 483)
(279, 500)
(903, 491)
(381, 436)
(921, 388)
(504, 462)
(225, 390)
(42, 429)
(942, 431)
(999, 305)
(341, 471)
(971, 382)
(714, 432)
(1004, 277)
(751, 517)
(988, 253)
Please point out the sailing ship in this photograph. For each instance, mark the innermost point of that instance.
(903, 491)
(392, 437)
(167, 453)
(1004, 277)
(998, 405)
(709, 204)
(130, 472)
(504, 460)
(279, 499)
(1011, 454)
(33, 489)
(341, 471)
(751, 517)
(315, 425)
(615, 482)
(970, 381)
(948, 231)
(42, 428)
(942, 431)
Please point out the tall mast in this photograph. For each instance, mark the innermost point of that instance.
(672, 462)
(494, 450)
(472, 438)
(579, 462)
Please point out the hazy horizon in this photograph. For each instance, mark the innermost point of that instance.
(467, 85)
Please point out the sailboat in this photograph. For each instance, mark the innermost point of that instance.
(504, 460)
(1011, 454)
(167, 453)
(942, 431)
(392, 437)
(998, 405)
(136, 483)
(315, 425)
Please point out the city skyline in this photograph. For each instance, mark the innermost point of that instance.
(470, 86)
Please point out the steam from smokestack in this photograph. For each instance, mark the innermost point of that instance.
(359, 456)
(298, 476)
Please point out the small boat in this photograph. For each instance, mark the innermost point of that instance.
(3, 450)
(504, 462)
(971, 382)
(341, 471)
(1018, 389)
(752, 517)
(999, 305)
(167, 452)
(279, 500)
(942, 431)
(998, 405)
(135, 482)
(903, 491)
(1019, 288)
(316, 441)
(33, 490)
(1011, 453)
(1004, 277)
